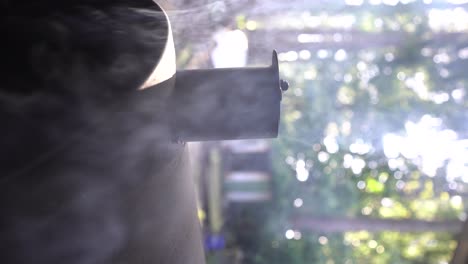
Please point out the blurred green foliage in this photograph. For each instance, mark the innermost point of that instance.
(341, 104)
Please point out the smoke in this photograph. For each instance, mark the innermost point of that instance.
(78, 139)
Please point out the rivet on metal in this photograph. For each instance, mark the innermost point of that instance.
(284, 85)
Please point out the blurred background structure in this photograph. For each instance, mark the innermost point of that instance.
(371, 165)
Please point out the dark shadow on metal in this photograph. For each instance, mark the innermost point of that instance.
(228, 103)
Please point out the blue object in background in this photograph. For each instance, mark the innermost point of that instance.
(214, 242)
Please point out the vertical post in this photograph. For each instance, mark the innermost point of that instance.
(215, 197)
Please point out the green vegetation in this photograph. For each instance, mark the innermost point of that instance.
(374, 127)
(342, 103)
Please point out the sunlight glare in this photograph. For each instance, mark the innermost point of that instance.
(434, 146)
